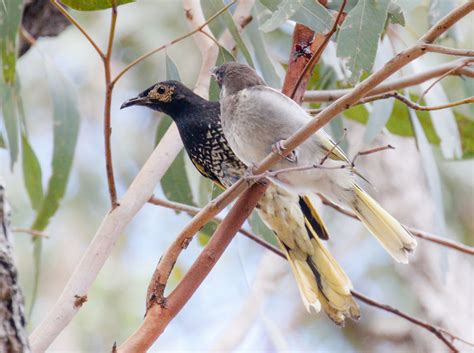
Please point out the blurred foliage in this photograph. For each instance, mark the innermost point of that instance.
(92, 5)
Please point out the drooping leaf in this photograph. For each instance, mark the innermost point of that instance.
(10, 120)
(431, 171)
(175, 182)
(313, 15)
(223, 57)
(228, 20)
(261, 54)
(32, 174)
(65, 133)
(172, 72)
(359, 35)
(399, 124)
(308, 12)
(285, 10)
(209, 9)
(10, 19)
(395, 14)
(91, 5)
(259, 228)
(381, 111)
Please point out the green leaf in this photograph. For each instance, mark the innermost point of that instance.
(65, 132)
(32, 174)
(10, 119)
(359, 35)
(431, 170)
(10, 19)
(308, 12)
(335, 5)
(285, 10)
(2, 142)
(381, 111)
(91, 5)
(261, 55)
(175, 182)
(209, 9)
(313, 15)
(228, 20)
(400, 124)
(223, 57)
(259, 228)
(172, 72)
(395, 14)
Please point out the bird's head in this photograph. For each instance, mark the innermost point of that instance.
(233, 77)
(168, 97)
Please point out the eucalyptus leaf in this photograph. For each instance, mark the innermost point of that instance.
(358, 37)
(308, 12)
(2, 142)
(210, 8)
(65, 132)
(32, 174)
(381, 111)
(10, 120)
(223, 57)
(91, 5)
(10, 19)
(228, 20)
(395, 14)
(172, 72)
(175, 182)
(264, 62)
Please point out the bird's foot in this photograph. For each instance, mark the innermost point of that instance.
(279, 147)
(251, 177)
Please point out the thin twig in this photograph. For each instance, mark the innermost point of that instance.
(416, 232)
(167, 308)
(143, 57)
(78, 26)
(434, 48)
(32, 232)
(371, 151)
(433, 329)
(414, 105)
(191, 210)
(319, 51)
(107, 109)
(328, 153)
(425, 92)
(455, 67)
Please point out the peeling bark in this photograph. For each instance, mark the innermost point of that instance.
(13, 337)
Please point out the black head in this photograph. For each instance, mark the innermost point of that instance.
(233, 77)
(169, 97)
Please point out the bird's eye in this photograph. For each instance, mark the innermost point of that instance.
(161, 90)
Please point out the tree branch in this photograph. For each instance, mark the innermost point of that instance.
(456, 67)
(101, 246)
(159, 316)
(13, 335)
(416, 232)
(433, 48)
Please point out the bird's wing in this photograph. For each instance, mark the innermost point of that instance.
(210, 176)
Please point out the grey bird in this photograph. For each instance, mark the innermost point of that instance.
(256, 119)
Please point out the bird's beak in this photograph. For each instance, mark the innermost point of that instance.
(135, 101)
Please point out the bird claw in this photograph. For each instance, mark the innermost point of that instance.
(279, 147)
(251, 178)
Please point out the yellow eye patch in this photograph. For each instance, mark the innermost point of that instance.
(166, 96)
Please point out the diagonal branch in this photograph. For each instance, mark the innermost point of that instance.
(167, 308)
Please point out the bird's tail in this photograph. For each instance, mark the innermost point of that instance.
(390, 233)
(322, 282)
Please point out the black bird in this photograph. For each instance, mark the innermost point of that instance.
(294, 220)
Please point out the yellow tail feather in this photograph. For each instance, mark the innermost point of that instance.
(323, 283)
(390, 233)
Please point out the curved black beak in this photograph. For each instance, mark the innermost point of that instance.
(139, 100)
